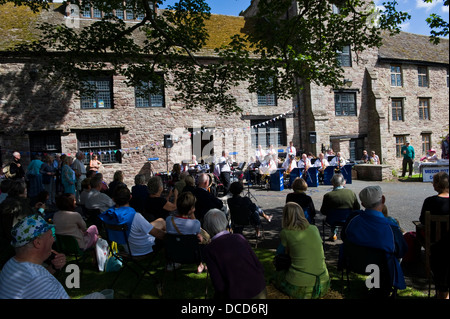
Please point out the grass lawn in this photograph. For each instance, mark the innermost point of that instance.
(186, 284)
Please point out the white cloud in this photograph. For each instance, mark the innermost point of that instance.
(445, 9)
(405, 26)
(420, 4)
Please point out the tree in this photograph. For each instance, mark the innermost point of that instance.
(439, 27)
(276, 50)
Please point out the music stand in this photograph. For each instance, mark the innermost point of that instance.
(249, 194)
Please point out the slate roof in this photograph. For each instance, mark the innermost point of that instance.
(414, 47)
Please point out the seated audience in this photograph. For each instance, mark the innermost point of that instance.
(144, 237)
(95, 198)
(439, 205)
(4, 188)
(236, 272)
(374, 159)
(336, 202)
(205, 200)
(157, 206)
(118, 179)
(29, 274)
(299, 186)
(307, 277)
(365, 157)
(244, 206)
(85, 189)
(370, 228)
(189, 184)
(68, 222)
(430, 157)
(184, 221)
(139, 193)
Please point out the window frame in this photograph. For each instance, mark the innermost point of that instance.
(151, 97)
(107, 154)
(422, 77)
(46, 138)
(397, 74)
(399, 142)
(395, 116)
(338, 96)
(86, 99)
(342, 54)
(426, 142)
(266, 141)
(424, 110)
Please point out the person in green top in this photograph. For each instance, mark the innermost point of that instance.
(408, 158)
(307, 276)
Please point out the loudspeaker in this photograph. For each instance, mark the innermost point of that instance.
(168, 141)
(312, 137)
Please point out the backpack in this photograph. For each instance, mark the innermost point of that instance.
(7, 172)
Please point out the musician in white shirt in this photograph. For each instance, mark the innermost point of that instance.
(321, 163)
(338, 160)
(260, 153)
(304, 163)
(291, 149)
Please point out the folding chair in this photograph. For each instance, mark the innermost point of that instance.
(435, 227)
(219, 184)
(69, 246)
(240, 219)
(139, 265)
(356, 258)
(335, 219)
(184, 250)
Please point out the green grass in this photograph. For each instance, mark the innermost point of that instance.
(186, 284)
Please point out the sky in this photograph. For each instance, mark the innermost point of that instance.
(418, 10)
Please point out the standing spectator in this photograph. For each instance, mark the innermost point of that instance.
(48, 172)
(408, 158)
(34, 177)
(236, 272)
(80, 173)
(94, 163)
(68, 179)
(16, 168)
(338, 203)
(307, 277)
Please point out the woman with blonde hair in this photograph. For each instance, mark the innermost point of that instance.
(307, 276)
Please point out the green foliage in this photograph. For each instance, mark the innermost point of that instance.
(271, 52)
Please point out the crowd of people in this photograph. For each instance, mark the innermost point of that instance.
(186, 205)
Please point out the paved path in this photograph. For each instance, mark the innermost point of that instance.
(403, 198)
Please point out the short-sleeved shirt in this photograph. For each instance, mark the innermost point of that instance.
(25, 280)
(141, 242)
(186, 226)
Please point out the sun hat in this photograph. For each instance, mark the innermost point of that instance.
(432, 150)
(370, 195)
(28, 229)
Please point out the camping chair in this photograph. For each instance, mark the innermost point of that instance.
(356, 258)
(435, 227)
(240, 219)
(335, 219)
(139, 265)
(184, 250)
(68, 245)
(219, 184)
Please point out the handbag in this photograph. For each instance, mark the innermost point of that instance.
(112, 262)
(282, 262)
(101, 252)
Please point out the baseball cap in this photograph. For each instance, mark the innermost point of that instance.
(370, 195)
(28, 229)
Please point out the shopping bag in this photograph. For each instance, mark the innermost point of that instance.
(112, 262)
(101, 251)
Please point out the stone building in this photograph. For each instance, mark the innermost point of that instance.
(370, 112)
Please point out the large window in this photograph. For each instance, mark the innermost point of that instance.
(45, 142)
(271, 133)
(97, 94)
(422, 76)
(344, 56)
(399, 142)
(426, 142)
(397, 109)
(396, 75)
(104, 143)
(148, 95)
(345, 104)
(424, 109)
